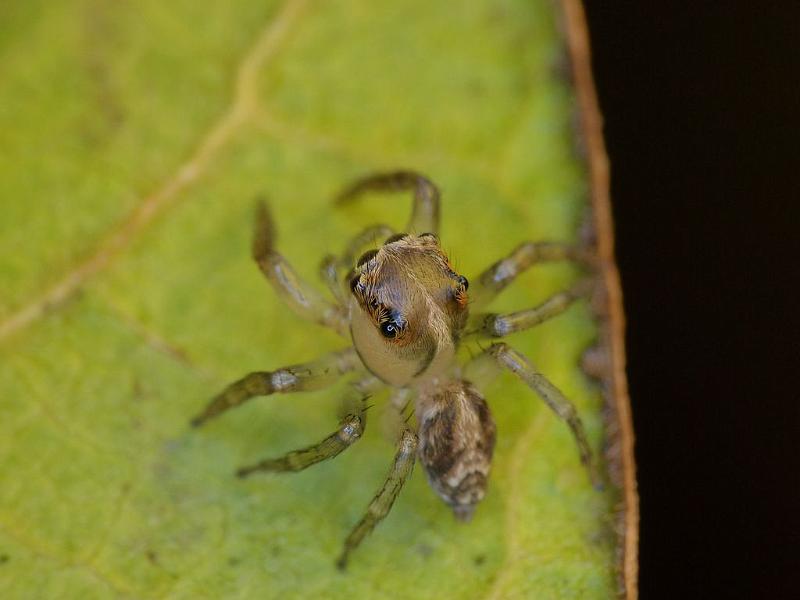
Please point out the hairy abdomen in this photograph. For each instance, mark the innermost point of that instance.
(456, 442)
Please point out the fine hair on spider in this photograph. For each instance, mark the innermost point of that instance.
(406, 312)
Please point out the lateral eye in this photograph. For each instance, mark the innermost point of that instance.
(463, 282)
(395, 238)
(366, 257)
(357, 286)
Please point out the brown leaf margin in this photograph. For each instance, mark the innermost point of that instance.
(609, 357)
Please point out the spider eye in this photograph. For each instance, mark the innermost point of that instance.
(389, 329)
(395, 238)
(463, 282)
(366, 257)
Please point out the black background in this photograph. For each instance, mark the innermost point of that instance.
(702, 112)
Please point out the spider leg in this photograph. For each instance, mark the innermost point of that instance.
(298, 295)
(400, 398)
(504, 356)
(502, 273)
(350, 430)
(329, 273)
(365, 239)
(332, 267)
(314, 375)
(425, 213)
(382, 502)
(495, 325)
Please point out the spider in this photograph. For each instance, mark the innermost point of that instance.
(407, 312)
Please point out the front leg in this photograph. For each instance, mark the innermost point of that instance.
(304, 377)
(382, 502)
(332, 267)
(502, 355)
(425, 213)
(367, 238)
(298, 295)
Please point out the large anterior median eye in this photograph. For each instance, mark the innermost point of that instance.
(389, 329)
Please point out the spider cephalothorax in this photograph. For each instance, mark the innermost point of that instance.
(406, 311)
(406, 319)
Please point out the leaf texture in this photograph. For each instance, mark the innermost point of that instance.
(134, 137)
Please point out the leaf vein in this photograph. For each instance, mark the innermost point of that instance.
(243, 106)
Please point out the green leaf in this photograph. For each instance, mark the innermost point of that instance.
(133, 139)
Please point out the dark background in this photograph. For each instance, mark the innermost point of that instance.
(702, 113)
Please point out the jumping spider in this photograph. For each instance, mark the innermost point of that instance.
(407, 311)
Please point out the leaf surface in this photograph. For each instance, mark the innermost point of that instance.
(134, 137)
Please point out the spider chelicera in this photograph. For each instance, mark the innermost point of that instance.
(407, 312)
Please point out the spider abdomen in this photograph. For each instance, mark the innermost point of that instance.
(456, 442)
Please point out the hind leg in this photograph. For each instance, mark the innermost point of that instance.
(384, 499)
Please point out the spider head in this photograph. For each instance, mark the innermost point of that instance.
(408, 308)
